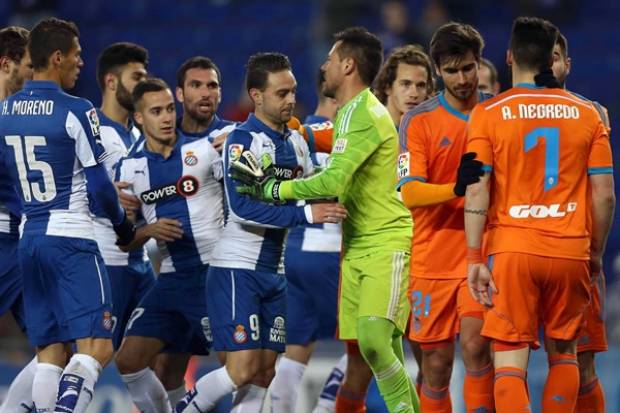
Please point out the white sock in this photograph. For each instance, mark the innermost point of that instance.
(209, 390)
(327, 398)
(19, 396)
(147, 392)
(45, 387)
(285, 385)
(77, 384)
(249, 399)
(175, 395)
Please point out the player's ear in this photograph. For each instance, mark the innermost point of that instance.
(5, 64)
(569, 65)
(256, 95)
(110, 82)
(56, 58)
(348, 65)
(509, 58)
(178, 92)
(137, 116)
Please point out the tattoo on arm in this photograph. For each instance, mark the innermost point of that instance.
(476, 211)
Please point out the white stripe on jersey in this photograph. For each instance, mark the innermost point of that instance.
(83, 150)
(326, 239)
(5, 220)
(100, 280)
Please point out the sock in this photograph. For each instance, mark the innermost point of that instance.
(175, 395)
(77, 384)
(478, 390)
(327, 398)
(591, 398)
(510, 391)
(397, 347)
(146, 391)
(418, 383)
(285, 385)
(45, 387)
(19, 396)
(435, 400)
(208, 391)
(249, 399)
(349, 402)
(562, 385)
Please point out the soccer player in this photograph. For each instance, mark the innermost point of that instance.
(433, 139)
(548, 191)
(592, 338)
(246, 288)
(50, 141)
(15, 69)
(177, 182)
(487, 77)
(373, 307)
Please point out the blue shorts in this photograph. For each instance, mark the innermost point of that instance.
(175, 312)
(11, 281)
(129, 285)
(66, 289)
(312, 295)
(247, 309)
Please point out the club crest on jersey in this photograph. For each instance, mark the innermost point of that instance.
(108, 322)
(186, 186)
(93, 121)
(190, 159)
(403, 165)
(234, 151)
(240, 336)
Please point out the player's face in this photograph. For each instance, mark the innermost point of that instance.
(157, 115)
(21, 73)
(561, 65)
(409, 89)
(460, 76)
(70, 65)
(332, 72)
(201, 94)
(130, 75)
(484, 80)
(277, 101)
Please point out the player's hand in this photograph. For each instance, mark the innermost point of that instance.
(165, 229)
(125, 232)
(596, 265)
(218, 142)
(127, 201)
(469, 172)
(328, 212)
(480, 283)
(255, 178)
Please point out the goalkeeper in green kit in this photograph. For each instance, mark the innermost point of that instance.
(362, 174)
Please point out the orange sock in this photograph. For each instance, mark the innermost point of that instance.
(591, 398)
(349, 402)
(562, 385)
(435, 400)
(478, 390)
(510, 392)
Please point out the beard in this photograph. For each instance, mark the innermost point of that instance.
(193, 111)
(463, 93)
(123, 97)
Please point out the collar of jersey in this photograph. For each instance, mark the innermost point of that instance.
(41, 84)
(158, 156)
(451, 109)
(257, 124)
(215, 122)
(104, 120)
(529, 85)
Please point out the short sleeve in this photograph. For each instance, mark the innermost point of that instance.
(413, 158)
(600, 157)
(82, 125)
(479, 137)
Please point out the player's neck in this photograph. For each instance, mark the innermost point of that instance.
(191, 125)
(47, 75)
(395, 114)
(463, 105)
(350, 89)
(522, 76)
(160, 146)
(114, 111)
(4, 90)
(324, 111)
(275, 126)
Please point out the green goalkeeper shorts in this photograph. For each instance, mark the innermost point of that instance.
(373, 285)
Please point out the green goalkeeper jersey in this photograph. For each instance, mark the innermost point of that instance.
(362, 173)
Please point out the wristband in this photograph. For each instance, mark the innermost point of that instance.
(474, 256)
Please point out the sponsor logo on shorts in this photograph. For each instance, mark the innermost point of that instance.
(186, 186)
(277, 333)
(108, 322)
(240, 336)
(206, 329)
(190, 159)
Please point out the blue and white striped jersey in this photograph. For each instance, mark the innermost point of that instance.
(116, 140)
(216, 128)
(185, 186)
(47, 138)
(254, 234)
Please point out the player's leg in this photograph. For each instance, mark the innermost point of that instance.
(19, 395)
(352, 394)
(289, 372)
(329, 392)
(437, 362)
(591, 398)
(417, 355)
(250, 397)
(170, 368)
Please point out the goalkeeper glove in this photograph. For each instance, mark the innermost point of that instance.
(255, 178)
(469, 172)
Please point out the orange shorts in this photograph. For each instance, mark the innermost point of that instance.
(533, 289)
(592, 336)
(437, 307)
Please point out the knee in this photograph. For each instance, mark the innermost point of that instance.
(101, 350)
(438, 367)
(476, 352)
(128, 362)
(242, 374)
(371, 347)
(264, 378)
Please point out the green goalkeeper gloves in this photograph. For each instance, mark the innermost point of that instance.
(255, 178)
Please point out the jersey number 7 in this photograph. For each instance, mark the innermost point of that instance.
(552, 152)
(29, 163)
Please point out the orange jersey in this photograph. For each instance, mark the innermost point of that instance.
(319, 135)
(433, 137)
(541, 145)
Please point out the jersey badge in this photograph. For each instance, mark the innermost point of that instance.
(340, 145)
(234, 151)
(190, 159)
(240, 336)
(107, 322)
(93, 121)
(403, 165)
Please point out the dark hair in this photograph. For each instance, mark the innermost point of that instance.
(196, 62)
(117, 55)
(364, 48)
(563, 43)
(13, 41)
(47, 36)
(492, 69)
(453, 41)
(260, 65)
(150, 84)
(409, 54)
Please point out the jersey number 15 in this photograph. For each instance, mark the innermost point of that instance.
(28, 163)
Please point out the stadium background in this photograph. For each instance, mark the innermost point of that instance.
(229, 31)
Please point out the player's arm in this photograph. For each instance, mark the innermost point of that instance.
(164, 229)
(318, 135)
